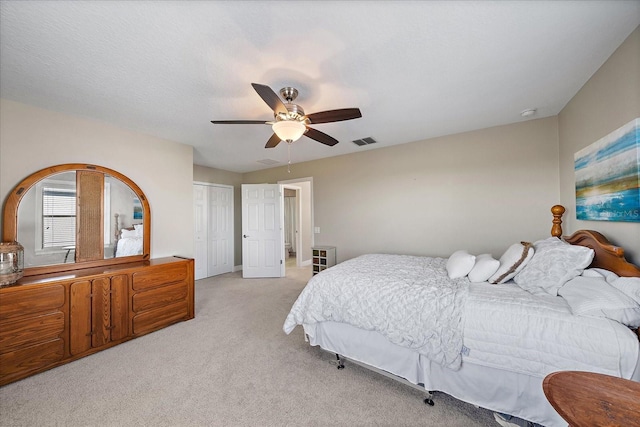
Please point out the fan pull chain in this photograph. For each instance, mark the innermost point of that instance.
(289, 155)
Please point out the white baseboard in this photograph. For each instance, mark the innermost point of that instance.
(239, 267)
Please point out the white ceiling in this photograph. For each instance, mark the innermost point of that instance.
(416, 69)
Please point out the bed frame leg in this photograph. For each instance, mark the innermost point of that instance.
(340, 362)
(429, 400)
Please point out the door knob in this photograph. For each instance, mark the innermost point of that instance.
(245, 236)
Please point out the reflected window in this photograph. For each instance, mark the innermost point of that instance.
(58, 216)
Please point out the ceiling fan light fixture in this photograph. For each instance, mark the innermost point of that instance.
(288, 130)
(289, 120)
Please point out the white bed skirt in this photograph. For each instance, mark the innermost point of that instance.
(494, 389)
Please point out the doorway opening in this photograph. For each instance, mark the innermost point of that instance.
(291, 208)
(298, 222)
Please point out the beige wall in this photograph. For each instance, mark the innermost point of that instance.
(610, 99)
(480, 191)
(32, 139)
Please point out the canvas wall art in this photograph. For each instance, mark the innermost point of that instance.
(137, 209)
(608, 176)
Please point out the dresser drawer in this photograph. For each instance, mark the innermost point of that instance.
(15, 364)
(154, 277)
(158, 297)
(30, 330)
(160, 317)
(30, 301)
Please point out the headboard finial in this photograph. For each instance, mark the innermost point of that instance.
(556, 229)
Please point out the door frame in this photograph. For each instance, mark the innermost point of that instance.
(299, 218)
(295, 182)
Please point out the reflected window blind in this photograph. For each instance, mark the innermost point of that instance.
(58, 217)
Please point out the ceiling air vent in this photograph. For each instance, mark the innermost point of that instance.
(364, 141)
(268, 162)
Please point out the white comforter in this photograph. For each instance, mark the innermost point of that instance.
(411, 301)
(408, 299)
(508, 328)
(129, 246)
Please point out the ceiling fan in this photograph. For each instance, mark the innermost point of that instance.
(290, 122)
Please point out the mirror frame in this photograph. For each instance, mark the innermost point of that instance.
(10, 217)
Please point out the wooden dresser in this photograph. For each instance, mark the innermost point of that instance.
(52, 319)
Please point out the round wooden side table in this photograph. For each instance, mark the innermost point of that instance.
(587, 399)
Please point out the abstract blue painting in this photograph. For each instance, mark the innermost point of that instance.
(608, 177)
(137, 208)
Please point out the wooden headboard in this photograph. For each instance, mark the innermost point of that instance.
(607, 255)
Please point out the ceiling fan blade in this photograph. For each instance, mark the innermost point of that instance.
(321, 137)
(273, 141)
(270, 97)
(334, 115)
(239, 122)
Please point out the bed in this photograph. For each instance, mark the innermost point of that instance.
(488, 344)
(129, 241)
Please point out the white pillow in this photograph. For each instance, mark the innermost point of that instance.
(460, 264)
(139, 229)
(486, 265)
(630, 286)
(554, 263)
(608, 275)
(512, 261)
(592, 296)
(127, 234)
(592, 272)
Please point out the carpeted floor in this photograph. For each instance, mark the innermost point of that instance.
(230, 366)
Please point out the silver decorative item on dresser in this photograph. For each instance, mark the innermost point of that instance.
(11, 262)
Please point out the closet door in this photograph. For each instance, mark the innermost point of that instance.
(213, 229)
(220, 246)
(201, 219)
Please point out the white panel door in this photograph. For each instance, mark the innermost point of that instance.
(262, 231)
(200, 230)
(220, 241)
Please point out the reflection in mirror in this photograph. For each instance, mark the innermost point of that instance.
(47, 221)
(124, 215)
(75, 216)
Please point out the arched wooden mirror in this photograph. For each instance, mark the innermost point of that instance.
(75, 216)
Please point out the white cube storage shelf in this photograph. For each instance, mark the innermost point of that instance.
(323, 258)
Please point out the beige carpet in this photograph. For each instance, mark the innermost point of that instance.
(230, 366)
